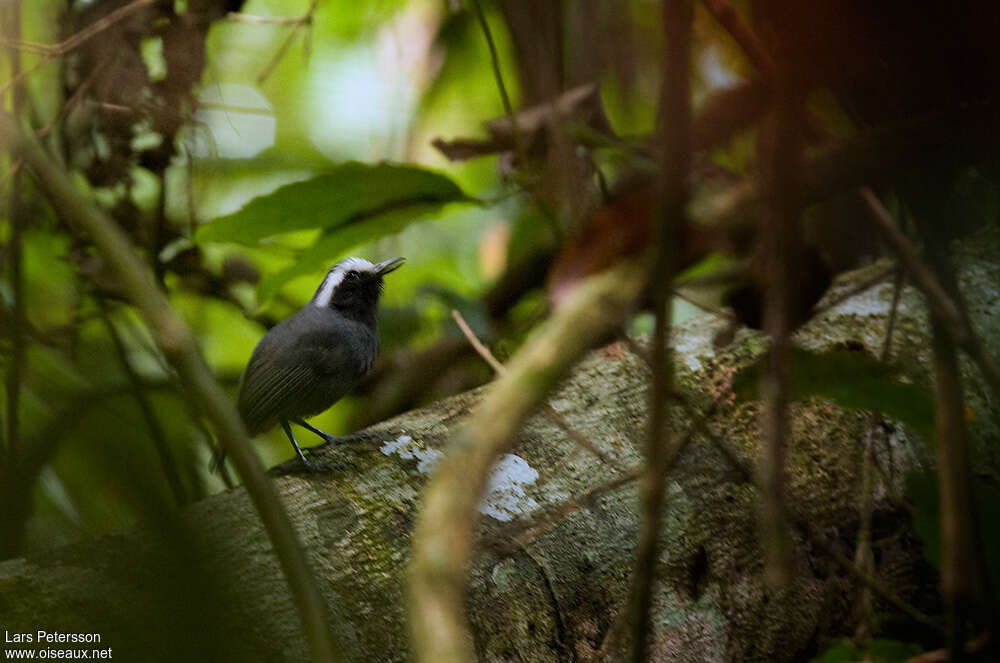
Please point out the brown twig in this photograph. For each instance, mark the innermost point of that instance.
(303, 22)
(780, 248)
(941, 304)
(707, 308)
(864, 558)
(50, 51)
(743, 35)
(941, 655)
(178, 344)
(961, 577)
(11, 461)
(239, 17)
(855, 290)
(559, 513)
(804, 525)
(444, 534)
(515, 133)
(699, 423)
(675, 130)
(162, 446)
(546, 410)
(476, 344)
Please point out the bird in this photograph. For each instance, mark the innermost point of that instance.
(310, 360)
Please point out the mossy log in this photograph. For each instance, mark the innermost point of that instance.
(207, 586)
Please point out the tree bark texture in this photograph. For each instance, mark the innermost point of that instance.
(208, 587)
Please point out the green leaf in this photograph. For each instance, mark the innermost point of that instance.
(851, 379)
(338, 199)
(922, 493)
(881, 650)
(332, 245)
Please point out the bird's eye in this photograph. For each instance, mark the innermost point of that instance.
(351, 276)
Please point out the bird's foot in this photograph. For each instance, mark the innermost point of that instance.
(305, 466)
(361, 436)
(324, 468)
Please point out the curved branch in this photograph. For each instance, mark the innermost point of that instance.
(445, 528)
(179, 347)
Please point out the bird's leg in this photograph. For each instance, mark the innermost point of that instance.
(332, 439)
(288, 431)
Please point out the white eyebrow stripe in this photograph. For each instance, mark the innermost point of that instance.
(333, 278)
(325, 292)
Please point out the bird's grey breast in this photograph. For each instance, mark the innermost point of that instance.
(343, 345)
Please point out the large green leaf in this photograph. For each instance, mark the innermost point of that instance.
(881, 650)
(923, 493)
(351, 194)
(851, 379)
(333, 244)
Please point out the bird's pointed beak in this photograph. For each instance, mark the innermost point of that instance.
(387, 266)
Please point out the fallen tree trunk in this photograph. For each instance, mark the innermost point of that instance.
(208, 587)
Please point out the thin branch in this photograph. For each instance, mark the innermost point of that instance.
(743, 35)
(303, 22)
(941, 655)
(445, 529)
(476, 344)
(519, 147)
(941, 304)
(547, 410)
(962, 579)
(178, 345)
(707, 308)
(863, 555)
(746, 471)
(675, 157)
(167, 460)
(50, 51)
(11, 463)
(699, 421)
(559, 513)
(780, 249)
(856, 290)
(816, 539)
(239, 17)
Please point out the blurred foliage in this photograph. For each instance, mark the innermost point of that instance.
(922, 493)
(880, 650)
(243, 156)
(851, 379)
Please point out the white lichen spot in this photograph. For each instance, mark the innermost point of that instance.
(874, 301)
(401, 445)
(406, 448)
(505, 496)
(693, 340)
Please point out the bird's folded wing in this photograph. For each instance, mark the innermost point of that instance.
(271, 389)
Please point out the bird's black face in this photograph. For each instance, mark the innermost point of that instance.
(357, 292)
(353, 288)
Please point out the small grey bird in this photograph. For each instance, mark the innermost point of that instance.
(309, 361)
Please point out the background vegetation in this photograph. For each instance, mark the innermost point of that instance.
(245, 146)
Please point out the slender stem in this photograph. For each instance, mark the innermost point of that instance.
(51, 51)
(781, 251)
(519, 147)
(11, 462)
(863, 556)
(179, 347)
(942, 305)
(303, 22)
(547, 410)
(167, 460)
(675, 130)
(445, 528)
(804, 525)
(960, 579)
(742, 34)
